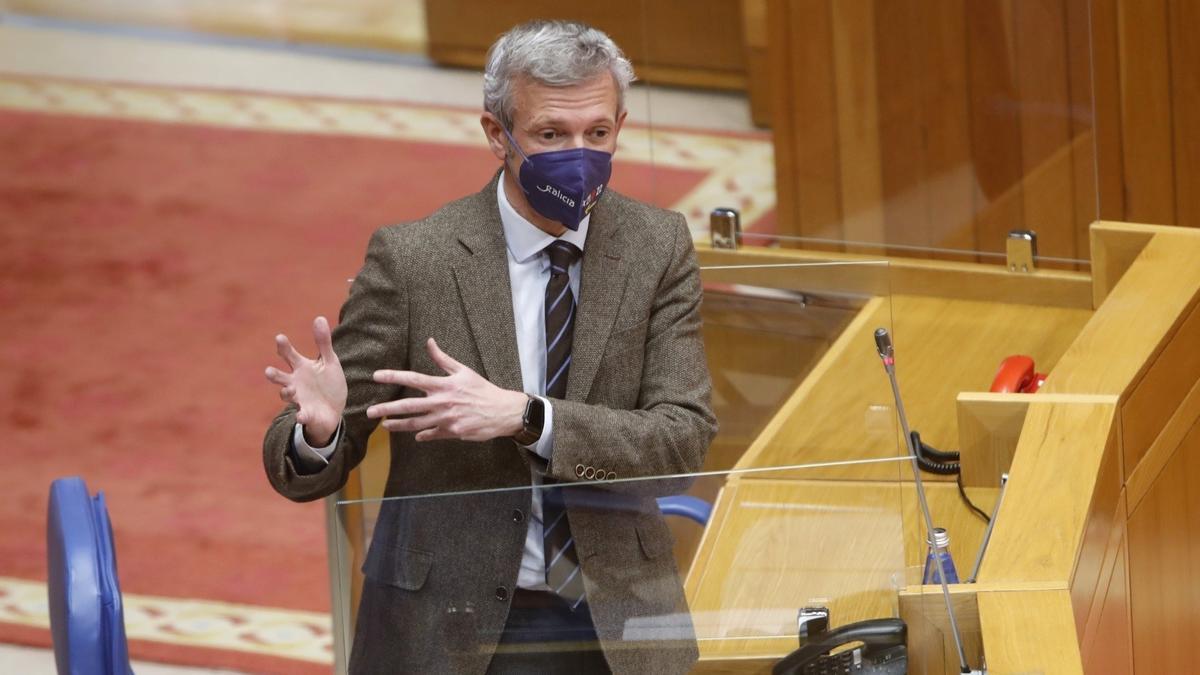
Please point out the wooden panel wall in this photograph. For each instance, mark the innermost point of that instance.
(946, 124)
(1148, 108)
(695, 43)
(1104, 629)
(396, 25)
(1164, 558)
(758, 63)
(934, 123)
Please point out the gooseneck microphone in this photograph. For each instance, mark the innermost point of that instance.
(887, 354)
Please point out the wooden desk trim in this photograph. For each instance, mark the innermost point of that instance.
(1126, 333)
(1116, 245)
(1041, 523)
(990, 425)
(938, 278)
(1029, 630)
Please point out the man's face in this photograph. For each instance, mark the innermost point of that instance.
(554, 118)
(559, 118)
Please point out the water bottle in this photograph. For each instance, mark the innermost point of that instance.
(939, 554)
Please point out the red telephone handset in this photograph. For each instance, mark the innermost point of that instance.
(1017, 376)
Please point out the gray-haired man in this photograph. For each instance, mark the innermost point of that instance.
(546, 331)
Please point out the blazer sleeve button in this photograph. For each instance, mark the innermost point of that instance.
(589, 473)
(579, 469)
(501, 593)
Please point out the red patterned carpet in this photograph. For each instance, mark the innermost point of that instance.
(144, 268)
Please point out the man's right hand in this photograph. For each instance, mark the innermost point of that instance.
(318, 385)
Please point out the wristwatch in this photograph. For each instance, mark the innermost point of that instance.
(532, 422)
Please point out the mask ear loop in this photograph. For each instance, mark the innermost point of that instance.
(515, 144)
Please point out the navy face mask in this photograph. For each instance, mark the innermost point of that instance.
(564, 185)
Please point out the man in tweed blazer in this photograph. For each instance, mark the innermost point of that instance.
(435, 336)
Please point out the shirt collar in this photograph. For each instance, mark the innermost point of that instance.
(523, 238)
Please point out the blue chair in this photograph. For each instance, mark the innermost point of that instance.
(86, 617)
(687, 506)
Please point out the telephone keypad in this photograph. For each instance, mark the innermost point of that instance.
(851, 662)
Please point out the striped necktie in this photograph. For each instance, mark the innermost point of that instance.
(562, 562)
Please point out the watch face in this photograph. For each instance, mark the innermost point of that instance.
(531, 422)
(535, 416)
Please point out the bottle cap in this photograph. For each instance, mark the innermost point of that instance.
(940, 538)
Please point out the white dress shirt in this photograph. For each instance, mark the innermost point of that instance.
(528, 274)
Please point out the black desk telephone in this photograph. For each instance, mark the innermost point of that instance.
(882, 651)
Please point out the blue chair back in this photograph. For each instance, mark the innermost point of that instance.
(86, 617)
(687, 506)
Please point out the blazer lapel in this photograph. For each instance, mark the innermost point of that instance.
(601, 287)
(484, 288)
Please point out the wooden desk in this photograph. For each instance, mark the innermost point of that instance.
(1089, 563)
(1091, 559)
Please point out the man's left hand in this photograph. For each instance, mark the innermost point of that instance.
(461, 405)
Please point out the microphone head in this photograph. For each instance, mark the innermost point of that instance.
(883, 343)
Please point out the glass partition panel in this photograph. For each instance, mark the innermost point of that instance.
(427, 582)
(802, 499)
(796, 378)
(911, 129)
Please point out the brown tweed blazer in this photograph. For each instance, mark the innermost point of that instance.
(637, 405)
